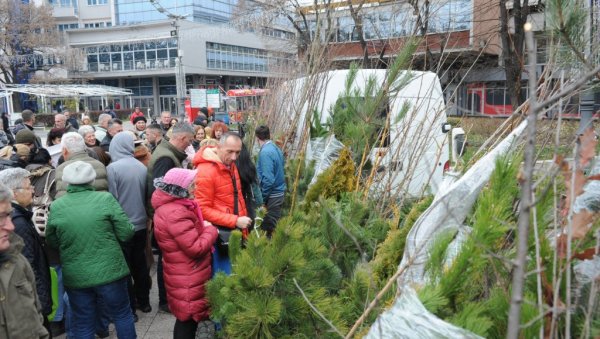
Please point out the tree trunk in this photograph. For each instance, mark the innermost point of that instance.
(358, 25)
(520, 263)
(513, 47)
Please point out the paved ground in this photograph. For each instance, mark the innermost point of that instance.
(153, 325)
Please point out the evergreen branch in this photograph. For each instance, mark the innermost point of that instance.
(378, 298)
(314, 308)
(363, 254)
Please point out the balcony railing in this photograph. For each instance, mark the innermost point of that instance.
(64, 9)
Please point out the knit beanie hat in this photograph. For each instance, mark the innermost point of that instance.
(79, 173)
(176, 182)
(141, 117)
(180, 177)
(25, 136)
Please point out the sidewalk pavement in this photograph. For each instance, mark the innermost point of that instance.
(153, 325)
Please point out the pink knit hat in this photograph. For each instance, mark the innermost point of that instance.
(180, 177)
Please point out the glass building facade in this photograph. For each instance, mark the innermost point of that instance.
(128, 12)
(237, 58)
(391, 22)
(139, 55)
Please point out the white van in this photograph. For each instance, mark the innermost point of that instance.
(417, 154)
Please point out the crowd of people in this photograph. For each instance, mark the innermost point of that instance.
(82, 215)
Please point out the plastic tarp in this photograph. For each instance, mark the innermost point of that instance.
(449, 210)
(408, 318)
(590, 198)
(323, 151)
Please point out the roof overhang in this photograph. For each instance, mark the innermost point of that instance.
(61, 91)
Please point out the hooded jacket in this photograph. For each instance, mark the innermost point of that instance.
(185, 244)
(33, 250)
(215, 188)
(127, 179)
(20, 309)
(87, 227)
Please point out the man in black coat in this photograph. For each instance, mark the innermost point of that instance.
(17, 179)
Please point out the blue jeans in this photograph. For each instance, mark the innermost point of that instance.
(61, 308)
(220, 263)
(102, 317)
(85, 310)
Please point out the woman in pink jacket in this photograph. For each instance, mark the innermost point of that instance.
(185, 240)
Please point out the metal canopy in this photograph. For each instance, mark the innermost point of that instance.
(61, 91)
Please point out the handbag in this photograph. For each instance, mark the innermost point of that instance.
(225, 232)
(41, 207)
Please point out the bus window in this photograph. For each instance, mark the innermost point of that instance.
(496, 97)
(473, 103)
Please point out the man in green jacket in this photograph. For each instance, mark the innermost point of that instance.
(20, 309)
(86, 227)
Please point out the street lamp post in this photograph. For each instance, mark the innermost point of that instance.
(179, 70)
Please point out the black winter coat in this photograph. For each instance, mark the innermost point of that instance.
(35, 254)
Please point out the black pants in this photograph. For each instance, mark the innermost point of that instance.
(135, 254)
(274, 206)
(47, 326)
(160, 280)
(185, 329)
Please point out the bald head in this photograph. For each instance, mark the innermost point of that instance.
(229, 148)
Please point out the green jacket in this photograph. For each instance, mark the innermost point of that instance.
(86, 227)
(20, 310)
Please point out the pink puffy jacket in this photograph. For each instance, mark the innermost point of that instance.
(186, 253)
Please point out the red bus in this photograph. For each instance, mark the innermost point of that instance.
(485, 100)
(240, 102)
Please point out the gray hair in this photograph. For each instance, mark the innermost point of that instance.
(85, 129)
(114, 121)
(183, 127)
(225, 136)
(6, 194)
(27, 115)
(13, 177)
(104, 117)
(73, 142)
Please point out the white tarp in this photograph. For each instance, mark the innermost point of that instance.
(409, 319)
(323, 151)
(449, 210)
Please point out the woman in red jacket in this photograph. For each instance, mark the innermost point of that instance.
(185, 240)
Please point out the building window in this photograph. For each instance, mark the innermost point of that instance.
(97, 2)
(94, 25)
(236, 58)
(64, 27)
(150, 54)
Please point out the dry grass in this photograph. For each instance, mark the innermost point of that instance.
(479, 129)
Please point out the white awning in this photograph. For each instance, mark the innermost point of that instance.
(61, 91)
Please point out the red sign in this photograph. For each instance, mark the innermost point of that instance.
(247, 92)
